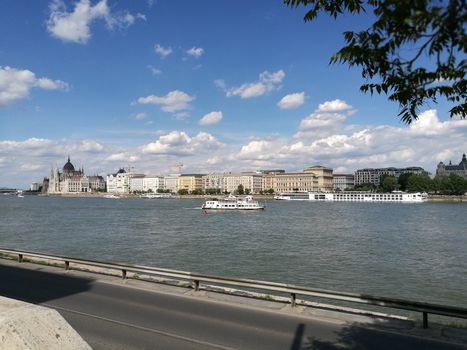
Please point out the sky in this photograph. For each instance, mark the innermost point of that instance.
(218, 86)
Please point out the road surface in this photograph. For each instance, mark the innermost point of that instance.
(113, 315)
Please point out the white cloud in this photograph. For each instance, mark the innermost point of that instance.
(74, 26)
(257, 150)
(321, 120)
(333, 106)
(122, 157)
(211, 118)
(195, 52)
(162, 51)
(220, 84)
(31, 167)
(140, 116)
(325, 120)
(267, 82)
(174, 101)
(30, 145)
(181, 115)
(154, 71)
(179, 143)
(292, 101)
(16, 84)
(423, 143)
(90, 146)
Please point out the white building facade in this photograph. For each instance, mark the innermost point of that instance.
(342, 182)
(136, 183)
(118, 182)
(171, 182)
(153, 183)
(251, 181)
(213, 181)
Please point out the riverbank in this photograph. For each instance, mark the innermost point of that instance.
(447, 199)
(431, 198)
(130, 195)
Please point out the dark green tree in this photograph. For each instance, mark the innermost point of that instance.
(402, 181)
(213, 191)
(452, 184)
(247, 191)
(240, 189)
(414, 51)
(419, 183)
(387, 183)
(458, 184)
(183, 191)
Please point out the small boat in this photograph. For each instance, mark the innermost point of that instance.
(111, 196)
(233, 203)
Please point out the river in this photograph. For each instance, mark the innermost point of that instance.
(414, 251)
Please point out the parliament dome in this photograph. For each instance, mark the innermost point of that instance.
(68, 167)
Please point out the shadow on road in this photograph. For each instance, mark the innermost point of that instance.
(35, 286)
(357, 337)
(297, 340)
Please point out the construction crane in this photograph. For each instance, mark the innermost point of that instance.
(179, 167)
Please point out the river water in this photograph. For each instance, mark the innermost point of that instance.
(414, 251)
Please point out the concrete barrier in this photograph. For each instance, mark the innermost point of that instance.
(27, 326)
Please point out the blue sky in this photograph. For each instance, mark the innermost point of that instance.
(215, 85)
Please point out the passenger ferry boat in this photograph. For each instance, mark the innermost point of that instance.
(397, 197)
(233, 203)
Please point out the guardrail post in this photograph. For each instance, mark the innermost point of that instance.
(196, 285)
(293, 299)
(425, 319)
(67, 265)
(123, 274)
(20, 258)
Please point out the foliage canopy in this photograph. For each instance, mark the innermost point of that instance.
(414, 51)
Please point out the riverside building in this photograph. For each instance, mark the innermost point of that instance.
(121, 182)
(372, 175)
(118, 182)
(251, 181)
(171, 182)
(342, 182)
(213, 181)
(446, 170)
(70, 180)
(136, 183)
(324, 176)
(152, 183)
(190, 182)
(316, 178)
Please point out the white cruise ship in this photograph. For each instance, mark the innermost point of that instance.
(397, 197)
(232, 203)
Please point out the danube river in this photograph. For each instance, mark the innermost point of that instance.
(415, 251)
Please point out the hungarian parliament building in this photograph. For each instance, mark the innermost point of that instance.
(70, 180)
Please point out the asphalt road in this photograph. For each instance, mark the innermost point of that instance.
(117, 316)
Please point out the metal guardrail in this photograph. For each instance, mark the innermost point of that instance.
(292, 290)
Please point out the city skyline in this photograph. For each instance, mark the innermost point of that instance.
(215, 86)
